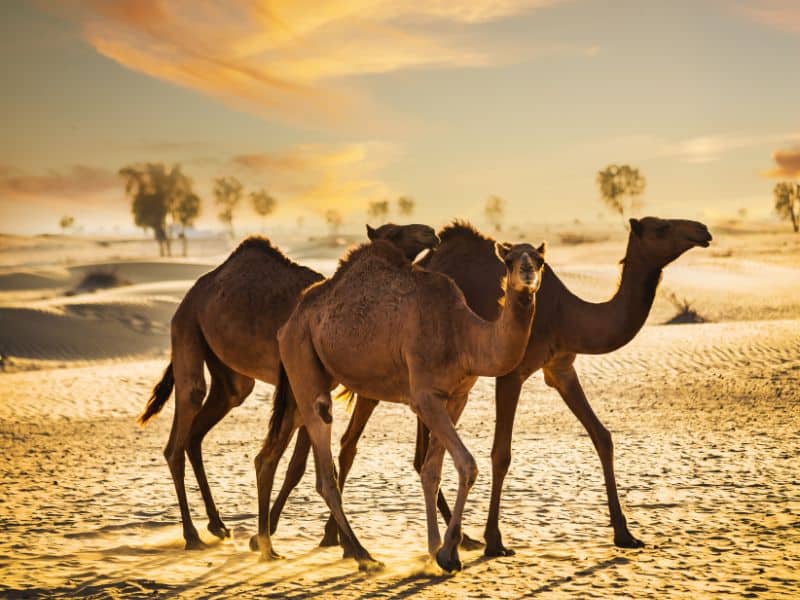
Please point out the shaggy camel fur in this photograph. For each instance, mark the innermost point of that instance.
(565, 326)
(229, 320)
(419, 344)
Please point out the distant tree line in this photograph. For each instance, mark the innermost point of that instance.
(163, 200)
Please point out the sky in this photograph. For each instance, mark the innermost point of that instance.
(341, 103)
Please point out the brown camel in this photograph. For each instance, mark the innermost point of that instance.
(564, 327)
(229, 320)
(419, 344)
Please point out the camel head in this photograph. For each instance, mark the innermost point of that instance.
(410, 239)
(524, 264)
(660, 241)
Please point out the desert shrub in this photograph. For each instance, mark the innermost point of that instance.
(686, 313)
(98, 279)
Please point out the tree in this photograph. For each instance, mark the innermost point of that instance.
(334, 220)
(185, 212)
(66, 222)
(405, 205)
(263, 204)
(155, 192)
(227, 192)
(620, 188)
(494, 211)
(787, 202)
(378, 209)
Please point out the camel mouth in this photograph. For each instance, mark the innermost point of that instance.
(703, 243)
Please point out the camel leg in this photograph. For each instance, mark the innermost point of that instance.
(355, 427)
(266, 463)
(294, 473)
(228, 389)
(423, 435)
(319, 432)
(566, 381)
(190, 389)
(440, 421)
(507, 389)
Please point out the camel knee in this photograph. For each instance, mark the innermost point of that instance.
(604, 441)
(501, 460)
(430, 475)
(175, 460)
(468, 471)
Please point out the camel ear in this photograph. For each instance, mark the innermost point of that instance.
(371, 233)
(542, 249)
(502, 249)
(636, 227)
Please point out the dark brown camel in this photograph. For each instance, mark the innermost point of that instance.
(564, 326)
(229, 320)
(419, 344)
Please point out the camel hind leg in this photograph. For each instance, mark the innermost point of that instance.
(311, 385)
(190, 389)
(228, 389)
(347, 453)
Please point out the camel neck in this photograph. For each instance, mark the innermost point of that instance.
(597, 328)
(500, 344)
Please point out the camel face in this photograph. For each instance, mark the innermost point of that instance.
(411, 239)
(664, 240)
(524, 264)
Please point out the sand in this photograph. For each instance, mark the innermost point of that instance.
(705, 417)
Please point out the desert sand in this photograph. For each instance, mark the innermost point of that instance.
(705, 417)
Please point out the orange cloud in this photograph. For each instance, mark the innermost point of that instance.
(780, 14)
(788, 164)
(78, 181)
(288, 59)
(316, 177)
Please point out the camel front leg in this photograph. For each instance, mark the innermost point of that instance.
(507, 389)
(347, 453)
(421, 449)
(565, 380)
(441, 420)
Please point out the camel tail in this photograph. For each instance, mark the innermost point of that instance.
(346, 395)
(282, 404)
(159, 397)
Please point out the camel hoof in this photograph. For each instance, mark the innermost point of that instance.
(329, 540)
(448, 561)
(269, 556)
(495, 550)
(467, 543)
(370, 565)
(219, 530)
(627, 540)
(254, 542)
(195, 543)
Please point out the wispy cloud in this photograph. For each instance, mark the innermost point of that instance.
(705, 149)
(787, 164)
(317, 176)
(779, 14)
(289, 59)
(77, 181)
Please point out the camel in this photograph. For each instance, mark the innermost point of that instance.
(419, 344)
(565, 326)
(229, 320)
